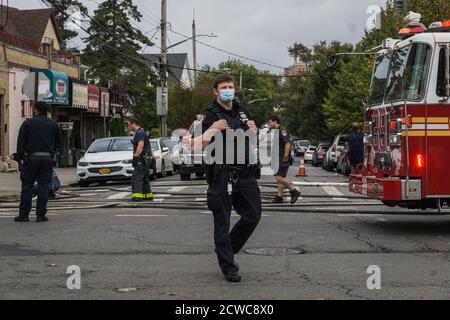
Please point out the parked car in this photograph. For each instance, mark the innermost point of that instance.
(330, 159)
(188, 162)
(108, 159)
(163, 157)
(173, 146)
(343, 164)
(319, 154)
(300, 147)
(309, 153)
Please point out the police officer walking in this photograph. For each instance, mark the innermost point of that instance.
(38, 140)
(282, 162)
(355, 143)
(232, 182)
(140, 181)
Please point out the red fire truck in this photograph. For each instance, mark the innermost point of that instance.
(407, 122)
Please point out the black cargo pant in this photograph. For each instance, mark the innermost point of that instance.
(38, 168)
(140, 182)
(246, 200)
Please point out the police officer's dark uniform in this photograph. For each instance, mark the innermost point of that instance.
(140, 181)
(284, 138)
(355, 142)
(232, 185)
(38, 140)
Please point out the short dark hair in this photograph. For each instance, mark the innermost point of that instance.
(135, 121)
(222, 79)
(275, 118)
(42, 106)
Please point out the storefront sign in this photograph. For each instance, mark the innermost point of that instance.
(93, 98)
(52, 86)
(80, 98)
(104, 102)
(66, 126)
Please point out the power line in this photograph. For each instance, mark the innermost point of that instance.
(228, 52)
(157, 65)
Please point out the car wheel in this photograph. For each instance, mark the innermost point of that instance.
(169, 173)
(185, 176)
(83, 184)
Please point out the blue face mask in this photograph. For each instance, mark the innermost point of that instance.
(227, 95)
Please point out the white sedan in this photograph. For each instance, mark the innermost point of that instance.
(163, 157)
(310, 153)
(106, 159)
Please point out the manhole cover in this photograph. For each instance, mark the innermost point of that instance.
(274, 251)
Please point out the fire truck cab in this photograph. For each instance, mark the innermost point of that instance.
(407, 122)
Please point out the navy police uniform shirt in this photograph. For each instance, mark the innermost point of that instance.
(39, 134)
(235, 120)
(284, 138)
(140, 135)
(356, 141)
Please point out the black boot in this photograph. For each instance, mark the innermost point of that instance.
(21, 219)
(295, 194)
(232, 276)
(41, 219)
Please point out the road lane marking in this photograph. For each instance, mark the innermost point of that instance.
(200, 199)
(320, 184)
(177, 189)
(119, 195)
(140, 215)
(158, 195)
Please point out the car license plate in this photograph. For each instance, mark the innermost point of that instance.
(104, 171)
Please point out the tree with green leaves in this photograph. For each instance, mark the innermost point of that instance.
(113, 54)
(301, 98)
(64, 10)
(431, 11)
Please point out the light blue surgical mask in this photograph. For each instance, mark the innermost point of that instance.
(227, 95)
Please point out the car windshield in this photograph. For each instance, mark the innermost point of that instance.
(170, 144)
(324, 148)
(154, 145)
(312, 148)
(304, 143)
(111, 145)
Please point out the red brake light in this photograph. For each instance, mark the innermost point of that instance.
(393, 126)
(446, 23)
(420, 161)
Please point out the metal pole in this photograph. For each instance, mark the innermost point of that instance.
(194, 48)
(163, 68)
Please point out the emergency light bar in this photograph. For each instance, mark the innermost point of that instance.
(410, 31)
(443, 26)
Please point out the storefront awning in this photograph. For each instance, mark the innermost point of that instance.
(53, 86)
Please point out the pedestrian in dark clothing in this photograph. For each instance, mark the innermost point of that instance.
(355, 143)
(39, 139)
(231, 179)
(140, 180)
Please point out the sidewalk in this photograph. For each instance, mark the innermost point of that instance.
(10, 182)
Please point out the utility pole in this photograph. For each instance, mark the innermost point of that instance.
(194, 48)
(163, 92)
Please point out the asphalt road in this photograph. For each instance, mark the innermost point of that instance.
(165, 250)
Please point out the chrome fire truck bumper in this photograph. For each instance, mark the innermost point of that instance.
(386, 189)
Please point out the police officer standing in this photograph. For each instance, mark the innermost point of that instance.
(283, 161)
(231, 182)
(38, 140)
(140, 182)
(355, 143)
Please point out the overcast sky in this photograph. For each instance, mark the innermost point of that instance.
(258, 29)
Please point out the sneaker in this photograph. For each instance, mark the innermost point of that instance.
(21, 219)
(278, 199)
(295, 194)
(41, 219)
(232, 276)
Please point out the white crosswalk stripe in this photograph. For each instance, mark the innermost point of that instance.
(333, 191)
(120, 195)
(177, 189)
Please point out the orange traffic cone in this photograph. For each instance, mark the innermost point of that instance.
(301, 169)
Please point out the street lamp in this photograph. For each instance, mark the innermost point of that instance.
(190, 38)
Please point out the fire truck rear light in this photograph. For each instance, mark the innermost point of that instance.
(408, 121)
(393, 125)
(420, 161)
